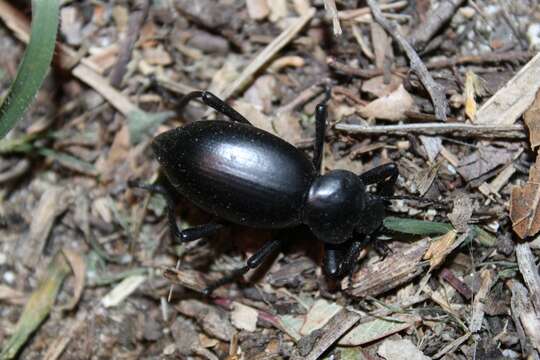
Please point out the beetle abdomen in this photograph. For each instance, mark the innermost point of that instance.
(238, 172)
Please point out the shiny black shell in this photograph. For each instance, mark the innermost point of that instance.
(237, 172)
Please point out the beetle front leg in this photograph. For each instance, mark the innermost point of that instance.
(321, 114)
(215, 103)
(385, 176)
(338, 264)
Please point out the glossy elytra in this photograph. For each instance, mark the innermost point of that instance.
(247, 176)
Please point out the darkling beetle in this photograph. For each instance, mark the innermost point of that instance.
(247, 176)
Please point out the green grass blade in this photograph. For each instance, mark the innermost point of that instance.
(38, 307)
(34, 66)
(416, 227)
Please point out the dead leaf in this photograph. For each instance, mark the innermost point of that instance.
(288, 127)
(433, 146)
(261, 93)
(482, 161)
(400, 350)
(320, 313)
(532, 119)
(255, 115)
(78, 267)
(377, 87)
(424, 178)
(375, 329)
(390, 107)
(524, 204)
(462, 212)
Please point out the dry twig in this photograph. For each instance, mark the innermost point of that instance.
(464, 130)
(435, 19)
(436, 92)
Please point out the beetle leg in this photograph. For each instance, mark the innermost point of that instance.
(215, 103)
(180, 236)
(321, 115)
(333, 257)
(381, 248)
(253, 262)
(198, 232)
(154, 188)
(384, 176)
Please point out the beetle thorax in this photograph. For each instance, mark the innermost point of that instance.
(334, 205)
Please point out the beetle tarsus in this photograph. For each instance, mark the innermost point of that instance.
(215, 103)
(253, 262)
(321, 114)
(385, 176)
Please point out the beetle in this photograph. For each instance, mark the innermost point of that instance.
(244, 175)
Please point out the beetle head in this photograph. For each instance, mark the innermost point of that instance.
(334, 206)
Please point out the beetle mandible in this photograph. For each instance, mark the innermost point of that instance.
(244, 175)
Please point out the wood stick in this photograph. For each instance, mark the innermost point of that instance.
(466, 130)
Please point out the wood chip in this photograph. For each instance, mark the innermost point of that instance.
(511, 101)
(439, 249)
(334, 329)
(124, 289)
(53, 202)
(244, 317)
(487, 277)
(524, 312)
(529, 271)
(524, 204)
(214, 321)
(395, 270)
(532, 120)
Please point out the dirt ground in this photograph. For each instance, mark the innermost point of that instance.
(447, 90)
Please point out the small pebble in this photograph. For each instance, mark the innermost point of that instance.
(467, 12)
(533, 33)
(9, 277)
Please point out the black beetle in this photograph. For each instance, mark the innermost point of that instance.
(247, 176)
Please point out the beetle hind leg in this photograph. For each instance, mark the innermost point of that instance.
(179, 236)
